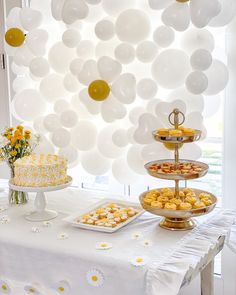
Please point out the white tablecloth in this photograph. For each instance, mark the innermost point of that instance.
(43, 259)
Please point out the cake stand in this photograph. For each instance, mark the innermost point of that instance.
(40, 213)
(178, 219)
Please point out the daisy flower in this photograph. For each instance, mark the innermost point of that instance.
(62, 287)
(1, 207)
(35, 229)
(146, 243)
(103, 246)
(95, 277)
(63, 236)
(4, 287)
(5, 219)
(29, 289)
(47, 223)
(137, 236)
(139, 261)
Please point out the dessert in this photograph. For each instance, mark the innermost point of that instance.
(40, 171)
(188, 199)
(180, 131)
(106, 216)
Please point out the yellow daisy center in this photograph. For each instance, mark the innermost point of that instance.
(31, 290)
(61, 289)
(4, 287)
(104, 245)
(139, 260)
(94, 278)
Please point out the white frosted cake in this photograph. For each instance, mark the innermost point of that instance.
(40, 171)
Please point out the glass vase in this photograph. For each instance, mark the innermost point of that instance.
(16, 197)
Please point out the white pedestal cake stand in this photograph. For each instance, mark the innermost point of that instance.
(40, 213)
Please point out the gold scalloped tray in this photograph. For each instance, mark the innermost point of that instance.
(177, 176)
(179, 213)
(177, 139)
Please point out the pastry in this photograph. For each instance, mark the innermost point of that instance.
(207, 201)
(185, 206)
(175, 132)
(199, 205)
(163, 199)
(157, 204)
(188, 131)
(190, 199)
(170, 206)
(175, 201)
(163, 132)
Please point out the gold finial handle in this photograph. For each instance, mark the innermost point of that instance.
(174, 118)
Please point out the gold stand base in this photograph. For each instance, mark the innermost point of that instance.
(177, 224)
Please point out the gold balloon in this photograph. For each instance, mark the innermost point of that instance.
(15, 37)
(99, 90)
(171, 146)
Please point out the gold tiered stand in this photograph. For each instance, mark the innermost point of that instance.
(178, 219)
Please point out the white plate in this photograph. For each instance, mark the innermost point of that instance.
(72, 219)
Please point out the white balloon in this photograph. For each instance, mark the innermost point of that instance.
(201, 60)
(177, 16)
(61, 138)
(125, 53)
(105, 48)
(80, 108)
(60, 57)
(93, 2)
(44, 6)
(73, 10)
(194, 120)
(56, 8)
(124, 88)
(108, 68)
(194, 103)
(195, 39)
(147, 124)
(164, 36)
(18, 70)
(218, 77)
(119, 138)
(171, 68)
(68, 118)
(147, 88)
(112, 109)
(89, 72)
(146, 51)
(105, 30)
(135, 160)
(36, 40)
(39, 67)
(127, 24)
(84, 135)
(23, 56)
(151, 105)
(105, 144)
(94, 163)
(30, 18)
(196, 82)
(69, 153)
(159, 4)
(122, 172)
(192, 151)
(135, 113)
(92, 106)
(52, 87)
(154, 151)
(13, 18)
(76, 66)
(85, 49)
(51, 122)
(112, 7)
(61, 105)
(130, 134)
(22, 82)
(203, 11)
(71, 38)
(163, 109)
(71, 83)
(28, 104)
(39, 126)
(44, 147)
(227, 13)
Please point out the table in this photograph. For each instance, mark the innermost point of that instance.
(62, 259)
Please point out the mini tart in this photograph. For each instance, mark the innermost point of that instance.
(163, 199)
(190, 199)
(185, 206)
(188, 190)
(152, 195)
(204, 195)
(157, 204)
(170, 206)
(207, 201)
(189, 131)
(175, 132)
(148, 201)
(168, 194)
(165, 190)
(175, 201)
(163, 132)
(199, 205)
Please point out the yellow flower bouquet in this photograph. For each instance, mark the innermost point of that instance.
(16, 143)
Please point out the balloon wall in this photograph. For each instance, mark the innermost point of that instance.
(95, 77)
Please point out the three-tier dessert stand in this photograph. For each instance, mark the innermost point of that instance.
(178, 219)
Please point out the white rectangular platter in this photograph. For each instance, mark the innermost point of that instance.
(73, 219)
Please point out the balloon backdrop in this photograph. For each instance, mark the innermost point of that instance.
(89, 74)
